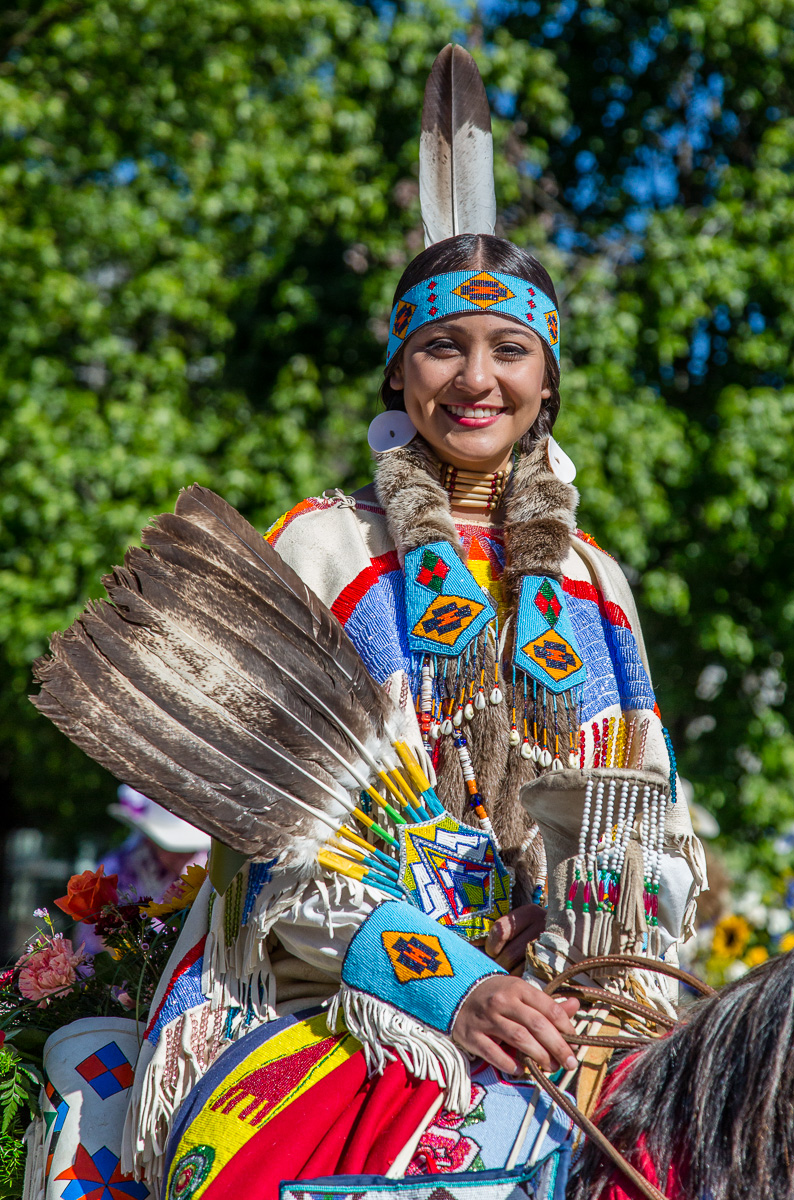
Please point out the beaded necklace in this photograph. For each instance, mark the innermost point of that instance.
(473, 489)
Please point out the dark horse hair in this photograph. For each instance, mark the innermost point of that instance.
(481, 252)
(715, 1098)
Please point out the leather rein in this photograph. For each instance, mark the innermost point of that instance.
(607, 999)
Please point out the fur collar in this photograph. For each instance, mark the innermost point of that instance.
(540, 509)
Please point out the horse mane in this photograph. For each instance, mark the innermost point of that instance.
(714, 1099)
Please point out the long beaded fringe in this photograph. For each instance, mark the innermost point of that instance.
(608, 816)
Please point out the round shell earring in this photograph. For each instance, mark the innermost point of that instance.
(390, 431)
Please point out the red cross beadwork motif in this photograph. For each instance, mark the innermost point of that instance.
(547, 603)
(432, 572)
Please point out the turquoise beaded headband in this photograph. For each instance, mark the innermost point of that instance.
(474, 291)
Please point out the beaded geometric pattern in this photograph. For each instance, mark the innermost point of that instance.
(466, 291)
(483, 290)
(546, 645)
(255, 1096)
(445, 606)
(454, 874)
(183, 992)
(538, 1182)
(107, 1070)
(98, 1177)
(432, 572)
(555, 654)
(190, 1172)
(239, 1097)
(402, 319)
(445, 618)
(416, 956)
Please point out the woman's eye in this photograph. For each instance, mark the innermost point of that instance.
(440, 344)
(510, 350)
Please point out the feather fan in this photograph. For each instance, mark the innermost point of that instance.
(216, 682)
(456, 186)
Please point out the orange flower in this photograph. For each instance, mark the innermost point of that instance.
(87, 894)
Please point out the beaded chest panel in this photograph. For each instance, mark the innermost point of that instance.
(454, 874)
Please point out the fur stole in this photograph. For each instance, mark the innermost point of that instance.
(540, 515)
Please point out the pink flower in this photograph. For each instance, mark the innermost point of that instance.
(49, 969)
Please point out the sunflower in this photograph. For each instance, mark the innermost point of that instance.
(787, 942)
(731, 936)
(180, 894)
(756, 955)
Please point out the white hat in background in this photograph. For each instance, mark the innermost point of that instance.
(155, 822)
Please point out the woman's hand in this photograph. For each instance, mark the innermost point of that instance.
(509, 937)
(506, 1018)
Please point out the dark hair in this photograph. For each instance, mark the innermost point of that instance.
(715, 1098)
(481, 252)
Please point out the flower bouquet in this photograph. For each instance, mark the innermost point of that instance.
(55, 982)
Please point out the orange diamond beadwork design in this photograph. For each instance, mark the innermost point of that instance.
(402, 318)
(554, 654)
(483, 290)
(553, 323)
(445, 619)
(416, 956)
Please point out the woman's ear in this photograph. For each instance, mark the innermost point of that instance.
(397, 379)
(545, 394)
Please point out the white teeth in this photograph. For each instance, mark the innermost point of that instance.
(459, 411)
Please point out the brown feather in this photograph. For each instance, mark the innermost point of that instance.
(219, 685)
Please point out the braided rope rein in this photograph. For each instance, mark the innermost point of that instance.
(607, 999)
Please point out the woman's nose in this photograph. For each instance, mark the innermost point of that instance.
(475, 373)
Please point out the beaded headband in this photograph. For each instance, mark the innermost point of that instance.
(474, 291)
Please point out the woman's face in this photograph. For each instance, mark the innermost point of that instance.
(473, 386)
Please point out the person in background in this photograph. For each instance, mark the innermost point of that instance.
(159, 848)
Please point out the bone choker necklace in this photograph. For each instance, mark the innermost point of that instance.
(472, 489)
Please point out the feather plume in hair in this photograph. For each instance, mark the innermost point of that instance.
(216, 682)
(456, 186)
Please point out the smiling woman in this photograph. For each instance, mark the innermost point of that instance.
(471, 596)
(510, 647)
(473, 386)
(462, 580)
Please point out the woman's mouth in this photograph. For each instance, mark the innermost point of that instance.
(478, 417)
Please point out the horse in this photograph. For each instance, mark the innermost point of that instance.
(707, 1112)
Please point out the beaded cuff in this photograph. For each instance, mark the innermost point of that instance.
(404, 958)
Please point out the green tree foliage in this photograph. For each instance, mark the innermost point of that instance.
(676, 202)
(204, 208)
